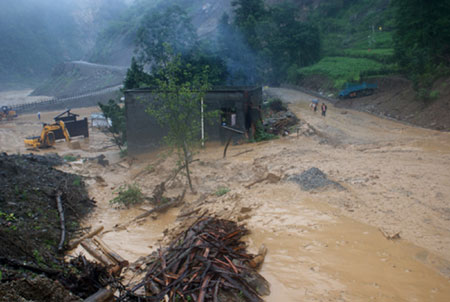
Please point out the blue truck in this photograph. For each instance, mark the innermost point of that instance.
(357, 90)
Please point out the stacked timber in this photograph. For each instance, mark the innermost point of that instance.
(208, 262)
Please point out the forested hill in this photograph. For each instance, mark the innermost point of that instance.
(36, 35)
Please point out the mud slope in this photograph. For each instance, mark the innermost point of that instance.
(396, 99)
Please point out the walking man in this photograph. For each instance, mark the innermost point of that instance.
(39, 115)
(324, 109)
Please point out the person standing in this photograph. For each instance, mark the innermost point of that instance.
(324, 109)
(39, 115)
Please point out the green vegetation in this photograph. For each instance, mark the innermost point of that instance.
(221, 191)
(76, 181)
(177, 106)
(261, 135)
(169, 27)
(69, 158)
(128, 195)
(345, 69)
(116, 113)
(277, 37)
(422, 40)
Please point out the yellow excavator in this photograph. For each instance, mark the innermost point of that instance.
(7, 113)
(49, 134)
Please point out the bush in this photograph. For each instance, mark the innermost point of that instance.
(262, 135)
(128, 195)
(69, 158)
(222, 191)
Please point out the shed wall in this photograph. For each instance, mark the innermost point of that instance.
(144, 134)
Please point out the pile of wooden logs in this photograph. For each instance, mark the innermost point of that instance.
(208, 262)
(101, 252)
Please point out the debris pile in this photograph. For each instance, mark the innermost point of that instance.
(280, 123)
(208, 262)
(313, 179)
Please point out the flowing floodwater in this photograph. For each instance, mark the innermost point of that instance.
(323, 245)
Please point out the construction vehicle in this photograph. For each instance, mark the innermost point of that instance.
(357, 90)
(7, 113)
(48, 137)
(74, 127)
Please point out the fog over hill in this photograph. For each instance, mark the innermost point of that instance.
(36, 35)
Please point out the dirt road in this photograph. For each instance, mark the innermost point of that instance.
(325, 244)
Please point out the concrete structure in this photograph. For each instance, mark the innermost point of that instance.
(234, 103)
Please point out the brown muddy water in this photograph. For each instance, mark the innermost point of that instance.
(322, 245)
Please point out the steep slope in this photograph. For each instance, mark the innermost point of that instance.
(116, 44)
(36, 35)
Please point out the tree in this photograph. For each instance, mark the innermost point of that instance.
(277, 36)
(169, 25)
(248, 15)
(177, 106)
(160, 27)
(422, 38)
(136, 77)
(118, 128)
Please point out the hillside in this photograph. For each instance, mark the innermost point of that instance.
(72, 78)
(116, 44)
(37, 35)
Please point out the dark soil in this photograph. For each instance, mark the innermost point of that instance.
(29, 219)
(30, 231)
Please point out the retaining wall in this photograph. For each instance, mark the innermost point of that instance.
(86, 99)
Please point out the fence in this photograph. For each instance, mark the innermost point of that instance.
(84, 99)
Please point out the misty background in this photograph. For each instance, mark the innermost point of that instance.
(37, 36)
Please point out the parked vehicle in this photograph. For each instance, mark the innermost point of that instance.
(357, 90)
(7, 113)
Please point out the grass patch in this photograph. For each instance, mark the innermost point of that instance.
(222, 191)
(344, 69)
(69, 158)
(128, 195)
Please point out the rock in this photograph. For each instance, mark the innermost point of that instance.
(245, 210)
(273, 178)
(75, 145)
(313, 179)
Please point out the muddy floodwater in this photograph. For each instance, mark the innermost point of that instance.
(323, 245)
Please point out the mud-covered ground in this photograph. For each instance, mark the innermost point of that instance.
(396, 99)
(325, 244)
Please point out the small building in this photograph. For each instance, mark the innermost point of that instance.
(144, 134)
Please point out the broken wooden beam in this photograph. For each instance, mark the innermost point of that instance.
(102, 295)
(92, 249)
(110, 253)
(76, 242)
(63, 224)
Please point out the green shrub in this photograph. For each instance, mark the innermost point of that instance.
(76, 181)
(69, 158)
(128, 195)
(222, 191)
(261, 135)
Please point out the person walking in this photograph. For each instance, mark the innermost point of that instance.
(39, 115)
(324, 109)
